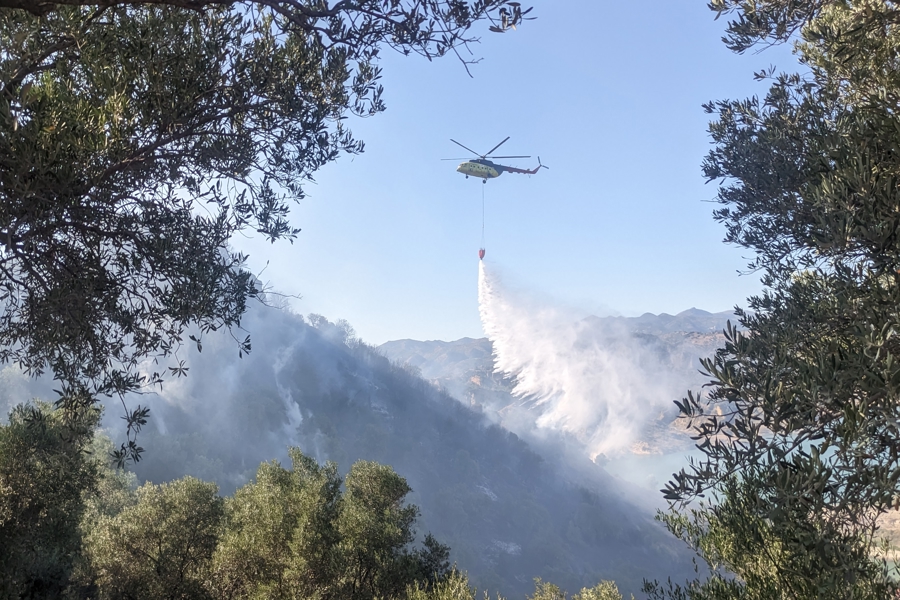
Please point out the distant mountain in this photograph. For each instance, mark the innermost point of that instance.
(691, 320)
(465, 368)
(437, 360)
(440, 360)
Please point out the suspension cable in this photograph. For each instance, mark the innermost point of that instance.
(482, 214)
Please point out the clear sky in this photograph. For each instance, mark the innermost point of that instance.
(609, 94)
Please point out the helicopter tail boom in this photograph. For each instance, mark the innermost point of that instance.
(527, 171)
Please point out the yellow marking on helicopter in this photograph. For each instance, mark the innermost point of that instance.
(476, 169)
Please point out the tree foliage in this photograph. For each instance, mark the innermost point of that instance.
(44, 473)
(294, 534)
(73, 527)
(799, 427)
(137, 137)
(376, 527)
(605, 590)
(281, 539)
(455, 586)
(161, 546)
(764, 21)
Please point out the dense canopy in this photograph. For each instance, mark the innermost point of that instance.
(799, 425)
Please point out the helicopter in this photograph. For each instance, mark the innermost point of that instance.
(486, 169)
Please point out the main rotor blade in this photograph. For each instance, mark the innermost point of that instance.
(469, 149)
(467, 158)
(510, 157)
(495, 147)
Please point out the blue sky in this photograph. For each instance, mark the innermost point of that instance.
(609, 94)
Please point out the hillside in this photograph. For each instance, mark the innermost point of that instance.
(509, 512)
(672, 344)
(512, 507)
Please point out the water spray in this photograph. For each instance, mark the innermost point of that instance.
(585, 377)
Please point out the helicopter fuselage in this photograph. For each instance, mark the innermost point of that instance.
(483, 169)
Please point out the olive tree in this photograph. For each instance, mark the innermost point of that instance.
(160, 546)
(138, 136)
(44, 476)
(292, 533)
(799, 423)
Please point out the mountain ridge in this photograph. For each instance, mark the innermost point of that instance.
(465, 368)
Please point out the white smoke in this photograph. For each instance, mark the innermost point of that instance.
(588, 378)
